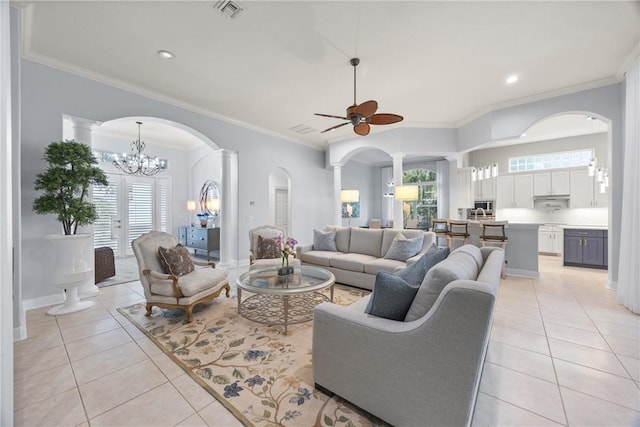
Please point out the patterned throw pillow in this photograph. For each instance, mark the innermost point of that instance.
(268, 249)
(402, 249)
(176, 261)
(324, 240)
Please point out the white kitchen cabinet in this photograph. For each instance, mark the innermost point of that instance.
(585, 191)
(551, 183)
(514, 191)
(465, 189)
(549, 240)
(485, 189)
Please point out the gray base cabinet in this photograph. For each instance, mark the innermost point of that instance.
(200, 239)
(585, 248)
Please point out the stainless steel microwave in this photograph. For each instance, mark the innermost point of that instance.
(487, 205)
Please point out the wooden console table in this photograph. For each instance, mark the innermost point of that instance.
(198, 238)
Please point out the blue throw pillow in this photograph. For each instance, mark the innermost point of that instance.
(324, 241)
(391, 297)
(414, 274)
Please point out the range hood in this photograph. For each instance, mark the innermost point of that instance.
(552, 197)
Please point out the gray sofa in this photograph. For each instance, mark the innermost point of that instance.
(423, 372)
(360, 254)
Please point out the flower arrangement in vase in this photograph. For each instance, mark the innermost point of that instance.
(287, 248)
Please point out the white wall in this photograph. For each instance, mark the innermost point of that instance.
(365, 178)
(203, 165)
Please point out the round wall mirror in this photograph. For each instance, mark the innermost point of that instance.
(210, 200)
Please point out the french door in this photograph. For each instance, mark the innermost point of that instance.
(129, 207)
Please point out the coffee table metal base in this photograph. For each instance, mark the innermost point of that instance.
(281, 309)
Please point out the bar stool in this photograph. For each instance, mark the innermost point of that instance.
(458, 231)
(441, 228)
(493, 234)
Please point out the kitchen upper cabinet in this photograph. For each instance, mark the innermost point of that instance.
(514, 191)
(551, 183)
(485, 189)
(465, 189)
(584, 191)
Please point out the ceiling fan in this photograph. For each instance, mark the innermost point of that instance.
(361, 116)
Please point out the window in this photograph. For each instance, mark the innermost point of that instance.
(565, 159)
(105, 198)
(419, 213)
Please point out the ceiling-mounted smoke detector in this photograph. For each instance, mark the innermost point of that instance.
(229, 8)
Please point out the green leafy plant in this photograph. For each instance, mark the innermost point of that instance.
(66, 183)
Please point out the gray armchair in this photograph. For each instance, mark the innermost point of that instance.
(203, 284)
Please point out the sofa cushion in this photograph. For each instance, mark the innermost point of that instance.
(415, 273)
(382, 264)
(458, 265)
(268, 248)
(366, 241)
(391, 297)
(190, 284)
(402, 249)
(176, 260)
(390, 233)
(324, 240)
(351, 262)
(319, 257)
(474, 252)
(343, 237)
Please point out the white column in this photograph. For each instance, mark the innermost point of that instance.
(229, 233)
(337, 186)
(82, 132)
(398, 217)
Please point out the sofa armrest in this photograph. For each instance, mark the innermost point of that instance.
(154, 276)
(205, 263)
(302, 249)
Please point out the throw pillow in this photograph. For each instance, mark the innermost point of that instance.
(268, 249)
(414, 274)
(324, 241)
(176, 261)
(402, 249)
(391, 297)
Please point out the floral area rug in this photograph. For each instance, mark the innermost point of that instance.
(261, 375)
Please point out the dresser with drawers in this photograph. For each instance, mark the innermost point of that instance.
(200, 239)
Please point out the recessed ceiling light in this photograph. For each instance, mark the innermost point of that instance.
(512, 79)
(165, 54)
(523, 135)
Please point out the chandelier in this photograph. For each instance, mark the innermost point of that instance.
(138, 163)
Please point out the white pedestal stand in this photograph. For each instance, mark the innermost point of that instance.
(72, 269)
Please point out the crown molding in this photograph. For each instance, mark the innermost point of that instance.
(628, 62)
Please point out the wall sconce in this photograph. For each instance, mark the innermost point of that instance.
(474, 174)
(406, 192)
(484, 172)
(592, 166)
(191, 205)
(213, 204)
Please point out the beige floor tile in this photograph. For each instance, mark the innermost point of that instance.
(576, 336)
(618, 330)
(39, 361)
(619, 315)
(535, 395)
(518, 322)
(148, 346)
(39, 315)
(167, 366)
(527, 362)
(216, 415)
(518, 338)
(95, 313)
(632, 365)
(37, 388)
(577, 321)
(108, 361)
(112, 304)
(162, 406)
(518, 309)
(611, 388)
(133, 331)
(623, 346)
(113, 291)
(584, 410)
(195, 394)
(37, 344)
(89, 346)
(587, 356)
(193, 421)
(64, 409)
(84, 330)
(491, 412)
(42, 329)
(119, 387)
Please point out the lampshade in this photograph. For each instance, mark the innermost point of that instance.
(407, 192)
(349, 196)
(191, 205)
(213, 204)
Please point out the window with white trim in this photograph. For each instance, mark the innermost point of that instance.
(565, 159)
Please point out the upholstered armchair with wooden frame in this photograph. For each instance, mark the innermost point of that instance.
(258, 257)
(170, 291)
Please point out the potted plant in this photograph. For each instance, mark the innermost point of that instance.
(65, 186)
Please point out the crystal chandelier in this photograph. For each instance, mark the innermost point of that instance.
(138, 163)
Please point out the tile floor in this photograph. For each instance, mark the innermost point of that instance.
(562, 352)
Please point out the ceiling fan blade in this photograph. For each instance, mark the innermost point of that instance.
(332, 116)
(362, 129)
(335, 127)
(366, 109)
(384, 119)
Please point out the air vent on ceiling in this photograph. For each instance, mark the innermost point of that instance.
(303, 129)
(229, 8)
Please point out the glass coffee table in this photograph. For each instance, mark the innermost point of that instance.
(283, 300)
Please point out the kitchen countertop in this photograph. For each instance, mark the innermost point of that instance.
(584, 227)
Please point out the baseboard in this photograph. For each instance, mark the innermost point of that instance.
(19, 333)
(612, 285)
(233, 263)
(30, 304)
(522, 273)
